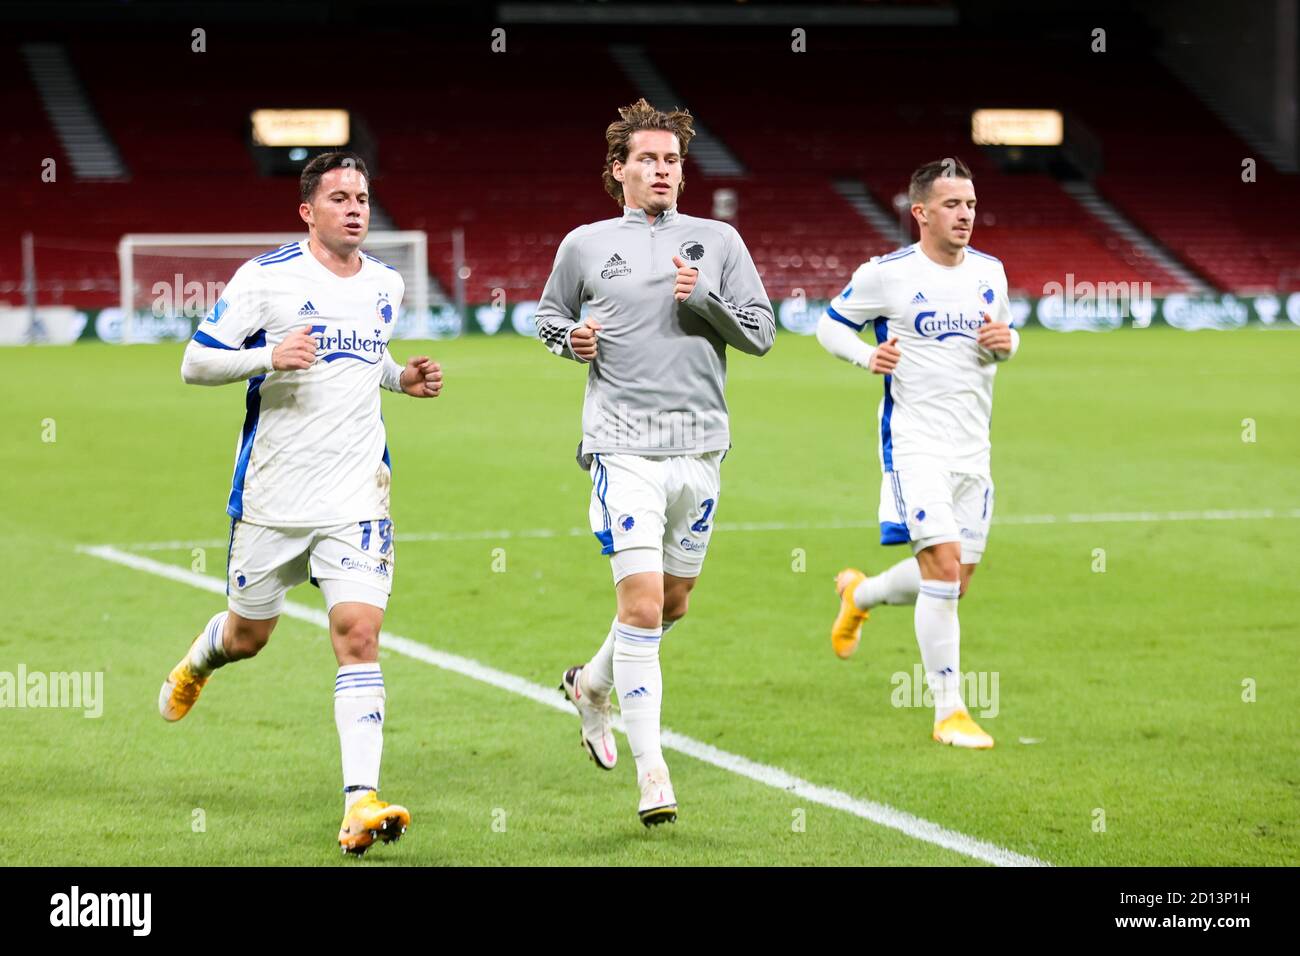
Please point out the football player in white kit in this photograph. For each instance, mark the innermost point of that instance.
(939, 313)
(307, 326)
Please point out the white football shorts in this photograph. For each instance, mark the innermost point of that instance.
(928, 506)
(350, 562)
(663, 506)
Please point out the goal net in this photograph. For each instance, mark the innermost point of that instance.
(183, 274)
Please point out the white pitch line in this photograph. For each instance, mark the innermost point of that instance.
(770, 776)
(506, 534)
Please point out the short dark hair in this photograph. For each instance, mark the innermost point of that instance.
(918, 190)
(322, 164)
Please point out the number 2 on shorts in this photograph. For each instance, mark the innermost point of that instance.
(701, 526)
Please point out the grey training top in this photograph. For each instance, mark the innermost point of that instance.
(656, 385)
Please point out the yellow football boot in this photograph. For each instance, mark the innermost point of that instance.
(847, 629)
(959, 730)
(371, 819)
(180, 690)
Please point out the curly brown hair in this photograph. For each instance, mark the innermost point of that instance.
(632, 119)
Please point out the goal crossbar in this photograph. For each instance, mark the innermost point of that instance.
(129, 245)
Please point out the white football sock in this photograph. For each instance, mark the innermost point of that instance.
(938, 632)
(640, 690)
(359, 716)
(599, 671)
(897, 585)
(209, 652)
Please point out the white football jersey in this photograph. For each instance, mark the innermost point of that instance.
(313, 451)
(939, 399)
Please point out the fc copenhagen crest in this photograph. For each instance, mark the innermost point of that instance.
(692, 251)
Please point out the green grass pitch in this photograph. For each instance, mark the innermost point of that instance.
(1124, 694)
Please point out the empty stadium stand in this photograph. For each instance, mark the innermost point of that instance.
(509, 149)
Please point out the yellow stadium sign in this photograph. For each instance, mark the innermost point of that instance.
(301, 127)
(1017, 127)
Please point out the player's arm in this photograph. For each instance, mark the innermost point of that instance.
(841, 324)
(735, 303)
(226, 347)
(996, 335)
(213, 363)
(559, 309)
(421, 377)
(207, 364)
(844, 343)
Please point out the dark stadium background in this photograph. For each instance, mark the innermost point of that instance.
(497, 154)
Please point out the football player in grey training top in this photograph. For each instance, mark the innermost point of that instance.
(663, 295)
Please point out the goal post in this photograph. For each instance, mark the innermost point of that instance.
(184, 273)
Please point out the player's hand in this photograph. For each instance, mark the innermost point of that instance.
(884, 359)
(994, 336)
(583, 339)
(422, 377)
(297, 351)
(686, 276)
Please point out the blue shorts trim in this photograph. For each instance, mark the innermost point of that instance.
(891, 532)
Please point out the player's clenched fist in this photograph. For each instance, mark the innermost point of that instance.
(583, 339)
(686, 276)
(422, 377)
(297, 351)
(994, 336)
(884, 358)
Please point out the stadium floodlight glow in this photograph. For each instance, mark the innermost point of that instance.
(1017, 127)
(183, 270)
(301, 127)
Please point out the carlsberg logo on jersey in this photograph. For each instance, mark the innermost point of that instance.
(349, 343)
(932, 325)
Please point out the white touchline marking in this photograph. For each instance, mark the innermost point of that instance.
(775, 777)
(505, 534)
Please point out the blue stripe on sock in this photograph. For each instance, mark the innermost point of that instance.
(216, 648)
(943, 595)
(621, 635)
